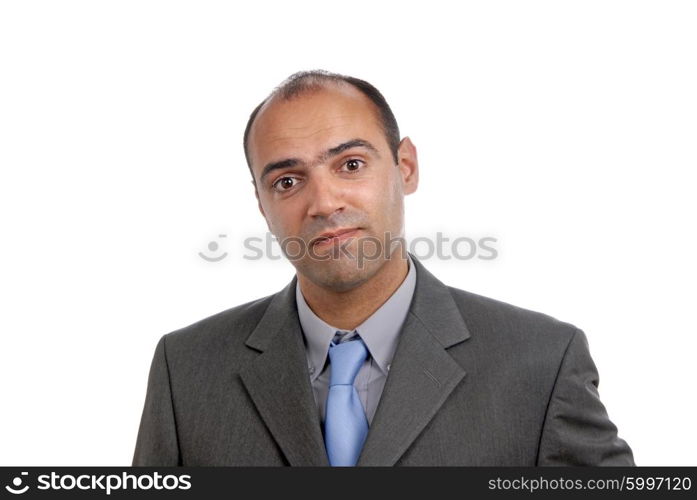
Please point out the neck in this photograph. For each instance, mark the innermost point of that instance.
(348, 309)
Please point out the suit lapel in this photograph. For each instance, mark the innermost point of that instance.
(279, 383)
(422, 373)
(422, 376)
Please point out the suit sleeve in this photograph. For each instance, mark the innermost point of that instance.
(157, 443)
(577, 429)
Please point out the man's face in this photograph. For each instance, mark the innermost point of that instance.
(321, 163)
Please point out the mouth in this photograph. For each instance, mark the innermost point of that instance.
(331, 237)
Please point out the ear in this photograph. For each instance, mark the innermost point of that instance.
(408, 165)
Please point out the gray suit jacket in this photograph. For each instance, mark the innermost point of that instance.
(474, 381)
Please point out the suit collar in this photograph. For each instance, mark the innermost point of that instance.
(422, 375)
(431, 302)
(435, 307)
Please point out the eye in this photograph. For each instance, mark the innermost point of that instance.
(284, 182)
(353, 165)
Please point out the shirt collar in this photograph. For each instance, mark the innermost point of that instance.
(380, 331)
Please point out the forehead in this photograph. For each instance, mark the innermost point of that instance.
(311, 122)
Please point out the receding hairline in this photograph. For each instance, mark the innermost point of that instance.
(303, 82)
(282, 94)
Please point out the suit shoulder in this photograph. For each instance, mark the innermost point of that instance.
(495, 317)
(232, 324)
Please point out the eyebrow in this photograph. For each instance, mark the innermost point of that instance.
(329, 153)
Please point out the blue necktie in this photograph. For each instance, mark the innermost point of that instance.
(345, 423)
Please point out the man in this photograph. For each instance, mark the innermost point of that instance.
(365, 358)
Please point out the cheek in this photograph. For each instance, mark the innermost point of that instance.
(392, 194)
(386, 203)
(394, 197)
(284, 223)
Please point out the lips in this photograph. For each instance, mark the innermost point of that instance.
(338, 234)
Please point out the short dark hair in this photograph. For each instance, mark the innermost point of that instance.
(307, 81)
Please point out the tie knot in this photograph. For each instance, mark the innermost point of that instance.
(346, 359)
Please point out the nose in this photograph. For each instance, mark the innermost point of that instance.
(326, 195)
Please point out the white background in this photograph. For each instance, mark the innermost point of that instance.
(564, 129)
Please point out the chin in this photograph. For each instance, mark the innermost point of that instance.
(337, 275)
